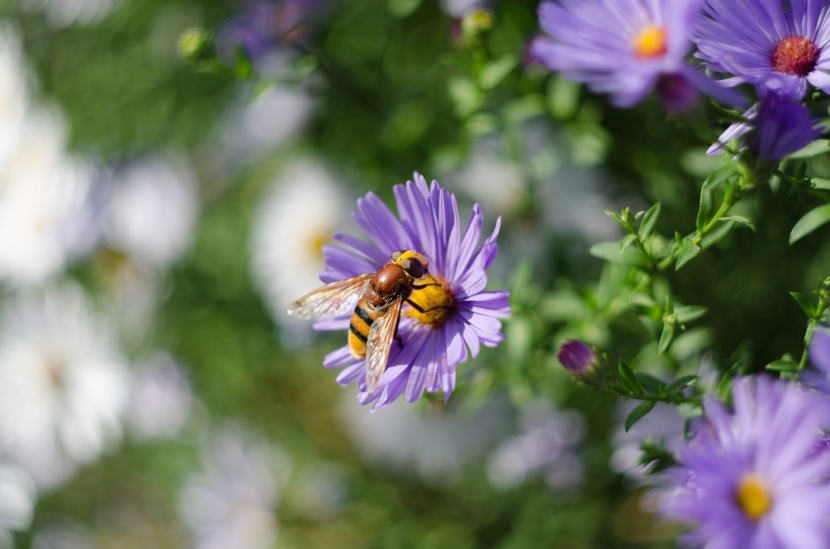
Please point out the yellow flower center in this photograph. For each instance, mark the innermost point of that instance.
(650, 43)
(434, 298)
(316, 243)
(753, 496)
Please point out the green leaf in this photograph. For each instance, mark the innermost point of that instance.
(688, 251)
(717, 234)
(707, 208)
(627, 241)
(638, 412)
(719, 176)
(739, 219)
(666, 337)
(811, 221)
(679, 384)
(496, 71)
(610, 252)
(616, 217)
(466, 97)
(650, 384)
(563, 98)
(820, 183)
(817, 147)
(689, 313)
(629, 380)
(805, 304)
(783, 365)
(649, 220)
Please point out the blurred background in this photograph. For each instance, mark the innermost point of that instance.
(163, 197)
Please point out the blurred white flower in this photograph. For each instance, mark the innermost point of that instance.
(547, 446)
(152, 211)
(18, 496)
(260, 126)
(160, 398)
(45, 216)
(64, 13)
(63, 383)
(62, 534)
(435, 445)
(665, 424)
(301, 212)
(459, 8)
(232, 502)
(14, 91)
(492, 180)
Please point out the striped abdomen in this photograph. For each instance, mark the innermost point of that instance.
(363, 317)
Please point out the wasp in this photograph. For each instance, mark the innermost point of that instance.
(375, 300)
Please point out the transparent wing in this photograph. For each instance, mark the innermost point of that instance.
(335, 299)
(379, 343)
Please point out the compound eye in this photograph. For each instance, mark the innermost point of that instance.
(413, 267)
(397, 255)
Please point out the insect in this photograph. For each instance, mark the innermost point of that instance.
(376, 300)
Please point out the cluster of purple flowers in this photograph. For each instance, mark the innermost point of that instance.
(626, 48)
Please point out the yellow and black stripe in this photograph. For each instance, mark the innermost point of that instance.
(362, 319)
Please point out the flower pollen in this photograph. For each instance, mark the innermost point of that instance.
(753, 496)
(795, 55)
(435, 299)
(650, 43)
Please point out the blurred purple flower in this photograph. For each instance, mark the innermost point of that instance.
(265, 25)
(774, 45)
(623, 47)
(548, 445)
(745, 479)
(431, 347)
(774, 128)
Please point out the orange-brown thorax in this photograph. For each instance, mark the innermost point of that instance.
(388, 283)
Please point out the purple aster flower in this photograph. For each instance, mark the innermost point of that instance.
(264, 25)
(624, 47)
(819, 351)
(819, 354)
(774, 128)
(750, 477)
(429, 345)
(775, 45)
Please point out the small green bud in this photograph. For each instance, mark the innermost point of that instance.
(475, 23)
(194, 44)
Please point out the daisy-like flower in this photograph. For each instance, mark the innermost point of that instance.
(774, 128)
(300, 212)
(775, 45)
(63, 384)
(624, 48)
(152, 212)
(748, 479)
(464, 316)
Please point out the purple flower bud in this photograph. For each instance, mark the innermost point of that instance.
(577, 357)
